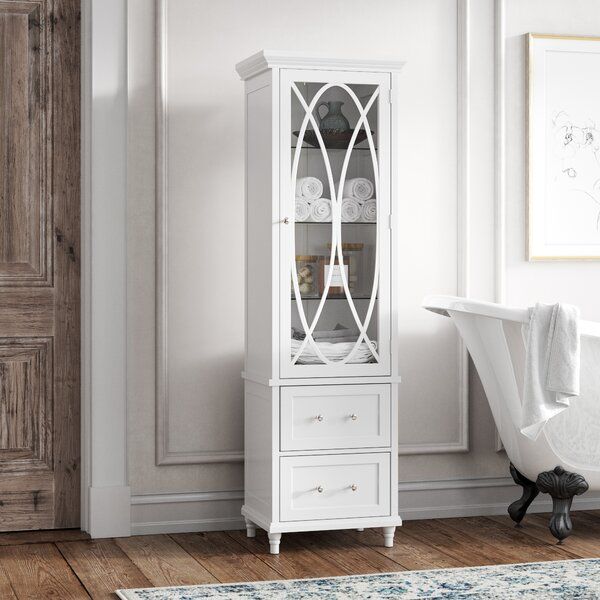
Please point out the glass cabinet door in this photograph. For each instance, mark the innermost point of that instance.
(335, 190)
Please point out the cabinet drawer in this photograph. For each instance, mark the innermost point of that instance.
(330, 417)
(334, 487)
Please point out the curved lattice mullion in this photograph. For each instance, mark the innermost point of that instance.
(338, 203)
(308, 330)
(375, 285)
(362, 327)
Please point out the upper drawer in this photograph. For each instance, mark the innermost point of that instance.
(328, 417)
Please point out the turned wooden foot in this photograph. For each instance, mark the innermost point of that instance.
(388, 536)
(250, 529)
(562, 487)
(359, 529)
(519, 507)
(274, 539)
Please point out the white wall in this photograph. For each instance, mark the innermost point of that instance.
(444, 252)
(573, 282)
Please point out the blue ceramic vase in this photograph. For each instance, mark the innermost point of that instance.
(334, 121)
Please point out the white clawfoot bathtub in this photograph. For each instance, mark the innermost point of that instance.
(571, 440)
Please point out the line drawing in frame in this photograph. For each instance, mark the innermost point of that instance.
(563, 186)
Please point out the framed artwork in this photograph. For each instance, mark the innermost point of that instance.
(563, 219)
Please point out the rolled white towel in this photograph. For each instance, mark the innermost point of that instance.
(369, 211)
(351, 210)
(302, 209)
(310, 188)
(360, 188)
(320, 210)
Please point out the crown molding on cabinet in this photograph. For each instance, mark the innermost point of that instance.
(268, 59)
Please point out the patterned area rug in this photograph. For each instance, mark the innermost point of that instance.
(569, 579)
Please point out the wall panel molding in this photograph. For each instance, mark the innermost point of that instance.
(500, 160)
(164, 454)
(463, 75)
(500, 143)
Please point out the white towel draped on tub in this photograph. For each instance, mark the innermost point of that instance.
(360, 188)
(310, 188)
(552, 364)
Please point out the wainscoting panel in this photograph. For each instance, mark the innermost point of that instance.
(450, 433)
(198, 383)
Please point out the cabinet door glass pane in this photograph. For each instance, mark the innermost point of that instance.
(335, 180)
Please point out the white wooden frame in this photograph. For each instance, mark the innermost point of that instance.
(105, 497)
(288, 77)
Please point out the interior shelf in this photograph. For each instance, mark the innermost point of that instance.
(335, 297)
(367, 149)
(329, 222)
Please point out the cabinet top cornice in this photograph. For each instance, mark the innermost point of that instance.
(271, 59)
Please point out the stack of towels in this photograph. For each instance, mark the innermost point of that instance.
(310, 205)
(335, 345)
(358, 204)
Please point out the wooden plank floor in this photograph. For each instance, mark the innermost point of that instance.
(66, 564)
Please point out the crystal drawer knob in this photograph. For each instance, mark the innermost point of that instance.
(319, 418)
(354, 416)
(320, 489)
(353, 487)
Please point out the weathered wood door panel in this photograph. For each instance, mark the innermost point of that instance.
(39, 263)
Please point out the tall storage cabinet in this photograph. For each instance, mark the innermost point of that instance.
(321, 375)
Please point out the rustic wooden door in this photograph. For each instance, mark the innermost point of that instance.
(39, 264)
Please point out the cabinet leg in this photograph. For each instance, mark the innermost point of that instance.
(388, 536)
(359, 529)
(274, 539)
(250, 529)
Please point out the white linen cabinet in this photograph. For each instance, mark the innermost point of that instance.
(321, 376)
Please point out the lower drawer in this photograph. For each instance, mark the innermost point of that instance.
(334, 487)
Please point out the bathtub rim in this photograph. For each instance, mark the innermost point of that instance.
(441, 304)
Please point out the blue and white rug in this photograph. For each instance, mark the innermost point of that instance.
(569, 579)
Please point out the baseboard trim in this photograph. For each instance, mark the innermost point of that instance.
(193, 525)
(109, 512)
(445, 498)
(485, 510)
(143, 499)
(455, 484)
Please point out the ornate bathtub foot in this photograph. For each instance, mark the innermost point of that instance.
(519, 507)
(563, 487)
